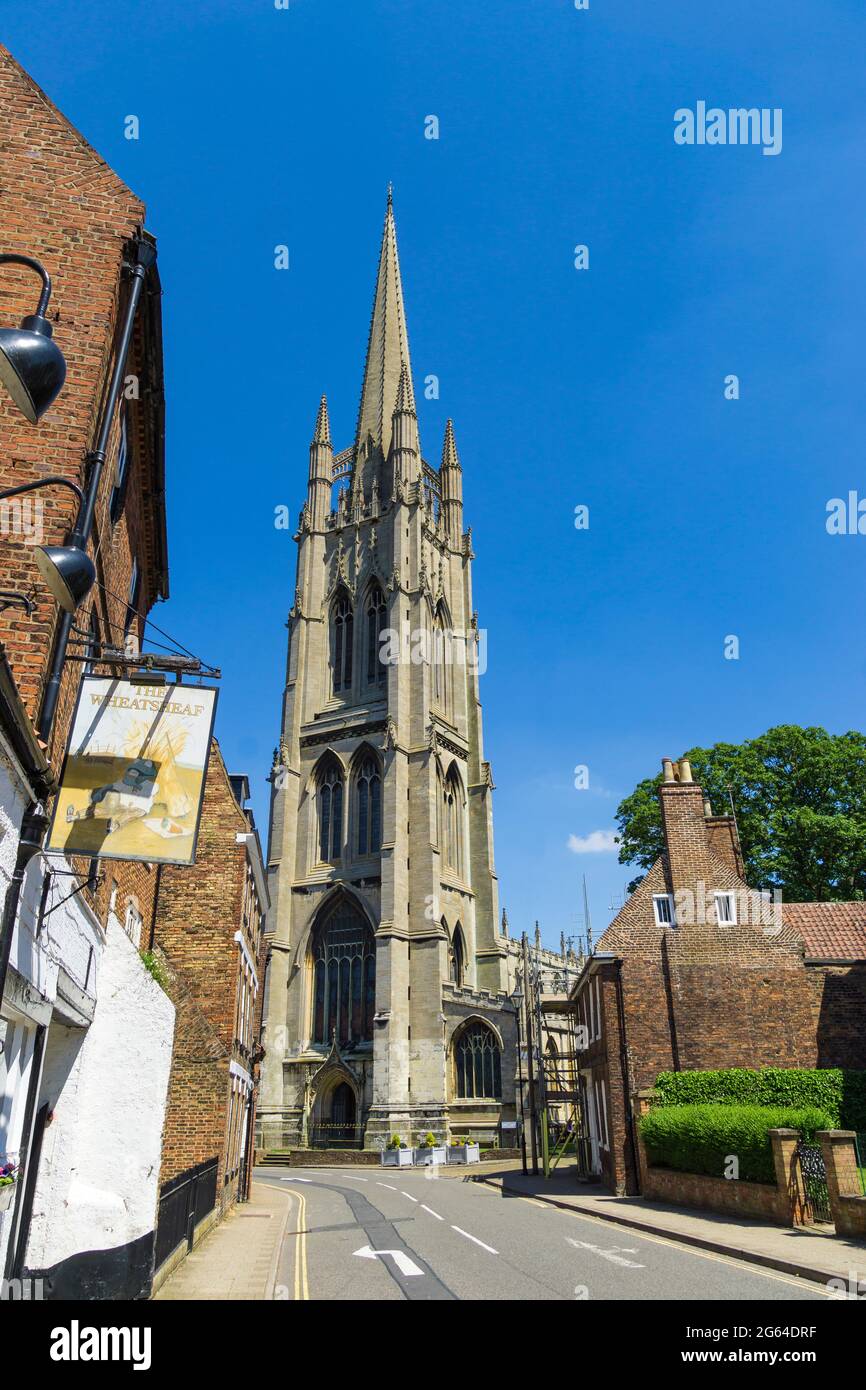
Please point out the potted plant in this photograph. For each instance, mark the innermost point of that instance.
(429, 1151)
(396, 1154)
(8, 1171)
(463, 1151)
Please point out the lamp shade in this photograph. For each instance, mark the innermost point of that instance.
(68, 571)
(32, 367)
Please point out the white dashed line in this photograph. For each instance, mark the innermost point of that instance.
(432, 1212)
(461, 1232)
(388, 1185)
(409, 1195)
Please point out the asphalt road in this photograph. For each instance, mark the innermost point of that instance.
(383, 1233)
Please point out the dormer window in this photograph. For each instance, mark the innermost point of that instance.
(663, 906)
(726, 909)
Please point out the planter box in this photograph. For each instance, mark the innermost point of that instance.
(397, 1158)
(464, 1153)
(425, 1157)
(7, 1192)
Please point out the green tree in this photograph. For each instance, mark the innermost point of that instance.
(800, 800)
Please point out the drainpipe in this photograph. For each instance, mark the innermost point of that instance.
(626, 1075)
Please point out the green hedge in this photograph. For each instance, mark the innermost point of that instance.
(699, 1138)
(841, 1093)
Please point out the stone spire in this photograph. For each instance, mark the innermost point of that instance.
(322, 432)
(321, 469)
(406, 454)
(387, 347)
(451, 484)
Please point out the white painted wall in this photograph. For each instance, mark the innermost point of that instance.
(99, 1172)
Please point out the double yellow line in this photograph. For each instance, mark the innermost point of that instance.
(302, 1283)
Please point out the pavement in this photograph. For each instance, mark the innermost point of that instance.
(238, 1258)
(435, 1235)
(814, 1253)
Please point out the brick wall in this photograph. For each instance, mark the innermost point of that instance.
(198, 912)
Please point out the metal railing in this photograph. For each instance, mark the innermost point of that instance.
(332, 1135)
(815, 1180)
(183, 1203)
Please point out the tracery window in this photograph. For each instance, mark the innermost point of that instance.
(344, 977)
(451, 823)
(376, 619)
(478, 1064)
(441, 661)
(330, 799)
(368, 802)
(342, 625)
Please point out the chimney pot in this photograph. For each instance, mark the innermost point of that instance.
(668, 769)
(685, 770)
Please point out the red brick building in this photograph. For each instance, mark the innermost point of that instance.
(69, 925)
(699, 971)
(207, 935)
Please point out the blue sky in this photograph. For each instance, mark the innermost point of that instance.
(602, 387)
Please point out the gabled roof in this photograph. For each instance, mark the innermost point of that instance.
(829, 931)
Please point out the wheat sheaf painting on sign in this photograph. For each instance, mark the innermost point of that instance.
(134, 773)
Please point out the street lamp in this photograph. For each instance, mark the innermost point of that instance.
(68, 570)
(32, 367)
(517, 1001)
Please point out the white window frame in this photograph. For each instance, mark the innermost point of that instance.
(732, 900)
(664, 898)
(133, 923)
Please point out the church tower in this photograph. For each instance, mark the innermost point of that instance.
(386, 1009)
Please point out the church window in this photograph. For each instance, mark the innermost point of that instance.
(344, 977)
(341, 643)
(376, 611)
(330, 798)
(451, 823)
(368, 792)
(478, 1064)
(457, 957)
(441, 662)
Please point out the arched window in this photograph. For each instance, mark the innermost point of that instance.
(478, 1064)
(376, 618)
(457, 957)
(344, 977)
(368, 802)
(441, 661)
(452, 823)
(330, 799)
(341, 642)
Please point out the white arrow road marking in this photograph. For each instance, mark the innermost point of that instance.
(432, 1212)
(403, 1263)
(611, 1255)
(461, 1232)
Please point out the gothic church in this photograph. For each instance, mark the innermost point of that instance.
(387, 1004)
